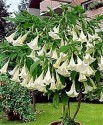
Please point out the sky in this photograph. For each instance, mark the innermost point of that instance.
(13, 5)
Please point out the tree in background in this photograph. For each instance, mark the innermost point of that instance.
(6, 27)
(3, 23)
(23, 5)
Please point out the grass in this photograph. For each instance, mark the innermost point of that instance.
(90, 114)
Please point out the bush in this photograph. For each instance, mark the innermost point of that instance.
(15, 100)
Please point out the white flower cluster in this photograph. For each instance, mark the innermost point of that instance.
(62, 63)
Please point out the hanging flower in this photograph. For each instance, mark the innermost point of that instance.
(62, 70)
(24, 72)
(82, 37)
(3, 70)
(53, 85)
(72, 92)
(39, 84)
(62, 43)
(101, 64)
(81, 67)
(101, 97)
(33, 55)
(47, 78)
(57, 63)
(15, 77)
(54, 55)
(87, 88)
(13, 71)
(54, 33)
(25, 81)
(82, 77)
(89, 71)
(88, 59)
(59, 85)
(42, 51)
(20, 40)
(50, 53)
(89, 48)
(34, 44)
(30, 85)
(72, 65)
(10, 38)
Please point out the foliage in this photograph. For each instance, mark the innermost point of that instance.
(5, 26)
(16, 99)
(49, 50)
(23, 5)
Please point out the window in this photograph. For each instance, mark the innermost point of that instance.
(86, 5)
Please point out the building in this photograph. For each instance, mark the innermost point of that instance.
(37, 7)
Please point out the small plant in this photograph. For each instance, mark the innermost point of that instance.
(15, 100)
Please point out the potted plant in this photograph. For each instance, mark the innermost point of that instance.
(60, 54)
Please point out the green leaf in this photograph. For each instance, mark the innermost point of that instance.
(56, 99)
(73, 75)
(33, 66)
(97, 76)
(64, 98)
(64, 48)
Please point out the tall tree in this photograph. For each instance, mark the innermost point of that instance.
(3, 23)
(23, 5)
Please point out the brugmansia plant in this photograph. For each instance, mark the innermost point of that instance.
(62, 54)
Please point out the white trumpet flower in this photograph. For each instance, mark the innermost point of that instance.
(87, 88)
(30, 85)
(3, 70)
(101, 64)
(47, 78)
(15, 77)
(39, 84)
(75, 37)
(54, 33)
(89, 71)
(63, 70)
(20, 40)
(13, 71)
(34, 44)
(25, 81)
(42, 51)
(82, 37)
(72, 65)
(82, 77)
(10, 38)
(57, 63)
(101, 97)
(62, 42)
(62, 58)
(24, 72)
(89, 47)
(72, 92)
(59, 85)
(53, 85)
(33, 56)
(88, 59)
(49, 54)
(54, 55)
(81, 67)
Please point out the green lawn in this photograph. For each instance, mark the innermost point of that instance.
(90, 114)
